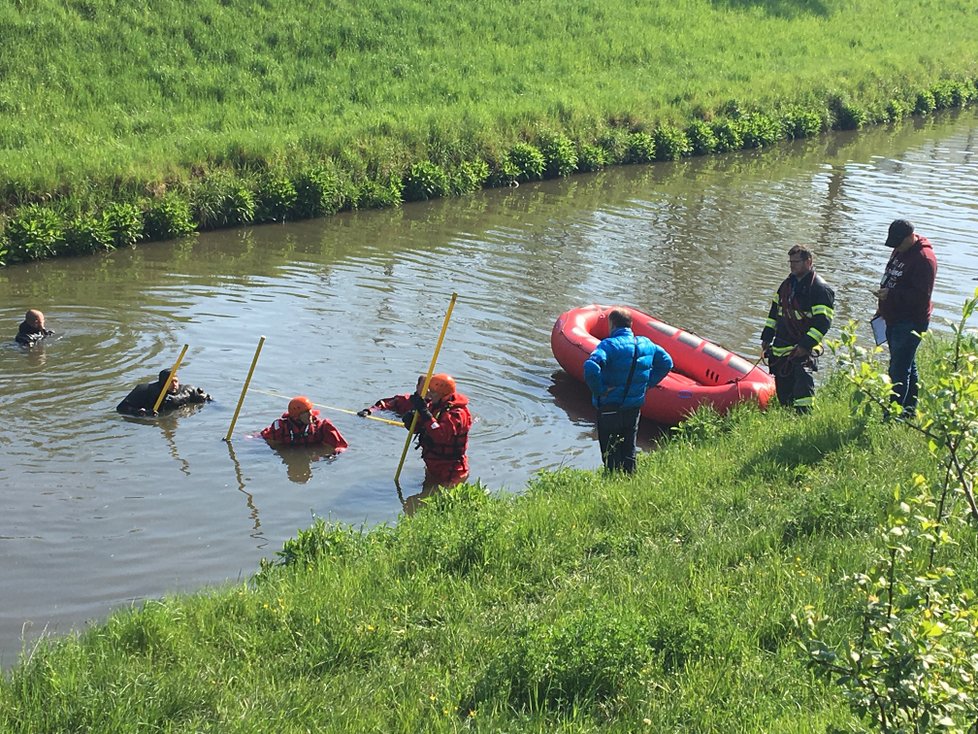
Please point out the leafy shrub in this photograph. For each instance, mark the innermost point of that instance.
(468, 176)
(86, 233)
(528, 160)
(847, 115)
(35, 232)
(798, 122)
(321, 191)
(897, 109)
(963, 93)
(374, 194)
(425, 180)
(702, 139)
(125, 223)
(760, 130)
(222, 199)
(240, 204)
(671, 144)
(591, 157)
(614, 143)
(560, 155)
(504, 173)
(318, 542)
(641, 148)
(168, 217)
(276, 198)
(728, 135)
(702, 425)
(457, 530)
(924, 103)
(943, 93)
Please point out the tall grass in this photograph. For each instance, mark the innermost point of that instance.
(661, 602)
(111, 101)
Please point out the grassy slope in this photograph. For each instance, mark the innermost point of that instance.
(661, 603)
(112, 90)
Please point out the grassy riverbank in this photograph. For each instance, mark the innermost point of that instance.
(120, 123)
(662, 602)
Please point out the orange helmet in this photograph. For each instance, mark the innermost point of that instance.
(299, 405)
(442, 384)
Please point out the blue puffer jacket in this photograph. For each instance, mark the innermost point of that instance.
(606, 370)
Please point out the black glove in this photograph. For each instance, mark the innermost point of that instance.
(408, 419)
(418, 402)
(363, 413)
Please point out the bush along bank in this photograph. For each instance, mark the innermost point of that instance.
(255, 192)
(908, 659)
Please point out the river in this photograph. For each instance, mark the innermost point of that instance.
(100, 511)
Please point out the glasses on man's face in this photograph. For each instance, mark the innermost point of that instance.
(795, 262)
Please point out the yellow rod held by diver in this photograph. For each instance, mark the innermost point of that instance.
(424, 390)
(244, 388)
(169, 379)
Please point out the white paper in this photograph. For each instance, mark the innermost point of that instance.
(879, 329)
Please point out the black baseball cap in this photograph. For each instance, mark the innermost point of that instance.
(900, 229)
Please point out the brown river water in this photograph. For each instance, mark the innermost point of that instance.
(98, 511)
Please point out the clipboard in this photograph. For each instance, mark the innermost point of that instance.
(878, 324)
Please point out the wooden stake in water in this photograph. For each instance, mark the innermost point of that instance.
(244, 388)
(424, 390)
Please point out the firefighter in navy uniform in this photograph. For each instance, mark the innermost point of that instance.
(799, 318)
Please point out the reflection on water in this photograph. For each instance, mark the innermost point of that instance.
(298, 460)
(249, 498)
(99, 511)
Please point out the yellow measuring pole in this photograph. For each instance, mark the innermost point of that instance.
(244, 388)
(424, 390)
(169, 379)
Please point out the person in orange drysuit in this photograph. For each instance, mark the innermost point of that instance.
(442, 427)
(302, 426)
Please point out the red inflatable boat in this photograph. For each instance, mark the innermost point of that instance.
(703, 373)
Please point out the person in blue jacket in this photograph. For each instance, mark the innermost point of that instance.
(619, 372)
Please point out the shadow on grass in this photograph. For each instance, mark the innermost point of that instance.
(807, 448)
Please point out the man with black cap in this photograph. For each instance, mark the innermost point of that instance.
(905, 304)
(143, 397)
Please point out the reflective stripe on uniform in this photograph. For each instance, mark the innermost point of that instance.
(821, 309)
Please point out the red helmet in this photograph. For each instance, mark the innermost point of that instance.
(442, 384)
(299, 405)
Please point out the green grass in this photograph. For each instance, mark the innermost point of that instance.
(112, 101)
(661, 602)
